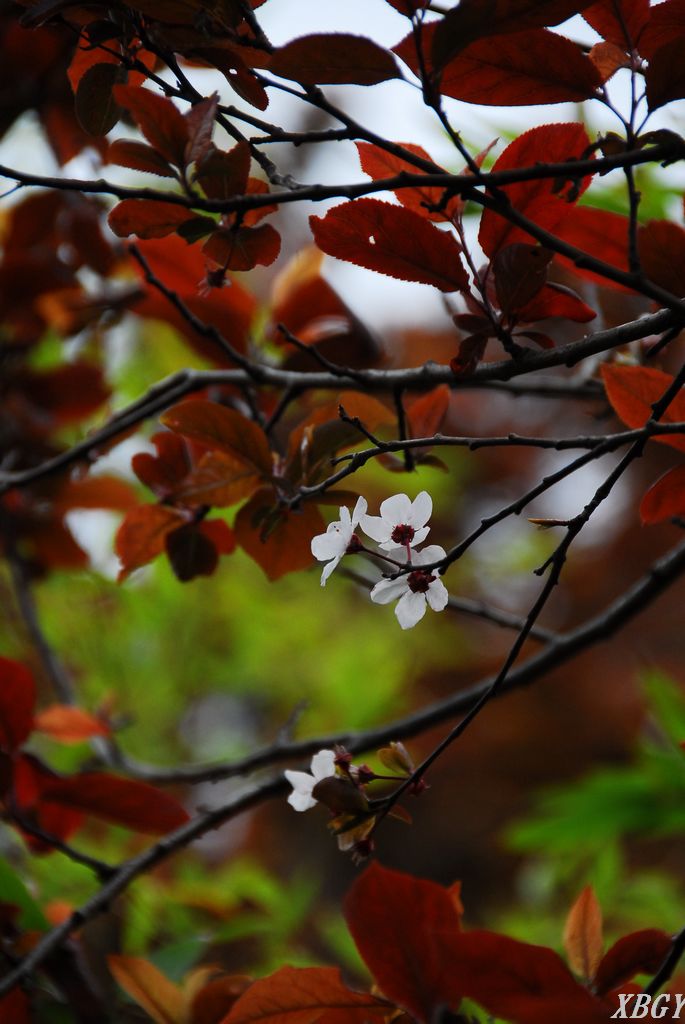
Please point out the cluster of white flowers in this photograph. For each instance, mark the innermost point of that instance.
(399, 528)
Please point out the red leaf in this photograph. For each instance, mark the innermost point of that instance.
(640, 952)
(220, 534)
(151, 989)
(608, 58)
(553, 143)
(632, 390)
(520, 272)
(277, 539)
(426, 414)
(473, 20)
(665, 498)
(469, 354)
(219, 479)
(85, 57)
(405, 929)
(602, 234)
(67, 392)
(378, 164)
(555, 300)
(160, 121)
(221, 429)
(191, 552)
(200, 123)
(665, 75)
(666, 23)
(521, 69)
(95, 106)
(619, 21)
(334, 59)
(147, 218)
(31, 777)
(391, 240)
(163, 472)
(141, 536)
(17, 700)
(139, 157)
(583, 940)
(302, 995)
(224, 174)
(243, 248)
(128, 802)
(68, 724)
(15, 1007)
(95, 492)
(661, 247)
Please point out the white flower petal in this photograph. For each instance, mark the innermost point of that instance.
(437, 595)
(396, 510)
(420, 535)
(410, 609)
(301, 801)
(328, 569)
(386, 591)
(328, 545)
(323, 765)
(421, 510)
(359, 510)
(345, 521)
(376, 528)
(433, 553)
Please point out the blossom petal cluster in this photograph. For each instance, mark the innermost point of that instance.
(323, 767)
(398, 530)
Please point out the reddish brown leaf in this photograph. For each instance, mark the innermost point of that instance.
(521, 69)
(200, 122)
(95, 492)
(145, 984)
(632, 390)
(147, 218)
(243, 248)
(472, 19)
(222, 429)
(220, 534)
(608, 58)
(224, 174)
(15, 1007)
(583, 939)
(665, 498)
(140, 538)
(302, 995)
(661, 247)
(85, 57)
(219, 479)
(666, 23)
(31, 777)
(640, 952)
(426, 414)
(391, 240)
(277, 539)
(17, 700)
(378, 164)
(191, 552)
(520, 272)
(405, 929)
(555, 300)
(128, 802)
(163, 472)
(665, 74)
(553, 143)
(212, 1001)
(602, 234)
(469, 354)
(334, 59)
(95, 105)
(65, 393)
(68, 724)
(160, 121)
(138, 156)
(619, 21)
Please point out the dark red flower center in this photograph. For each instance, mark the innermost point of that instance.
(402, 534)
(419, 581)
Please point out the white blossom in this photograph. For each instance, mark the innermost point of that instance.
(330, 546)
(323, 767)
(402, 523)
(415, 589)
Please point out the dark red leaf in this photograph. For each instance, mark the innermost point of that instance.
(15, 1007)
(391, 240)
(378, 164)
(160, 121)
(128, 802)
(640, 952)
(334, 59)
(619, 21)
(141, 536)
(426, 414)
(163, 472)
(220, 534)
(543, 340)
(219, 479)
(472, 19)
(94, 492)
(200, 122)
(279, 540)
(95, 105)
(85, 57)
(243, 248)
(665, 498)
(303, 995)
(521, 69)
(602, 234)
(190, 552)
(31, 777)
(553, 143)
(665, 74)
(520, 272)
(147, 218)
(666, 23)
(632, 390)
(17, 701)
(67, 392)
(222, 429)
(224, 174)
(469, 354)
(138, 156)
(661, 248)
(405, 929)
(555, 300)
